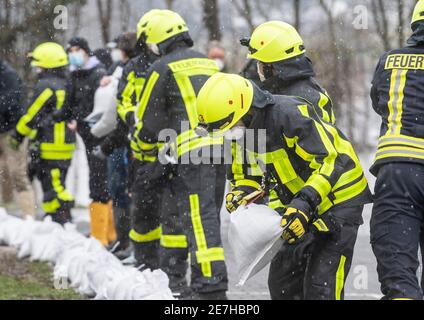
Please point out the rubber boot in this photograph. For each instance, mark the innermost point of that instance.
(111, 231)
(99, 215)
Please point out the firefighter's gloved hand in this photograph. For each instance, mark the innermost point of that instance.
(242, 197)
(98, 153)
(234, 199)
(15, 139)
(295, 224)
(325, 225)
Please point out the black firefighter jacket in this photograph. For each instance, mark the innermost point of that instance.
(398, 97)
(169, 100)
(56, 141)
(314, 165)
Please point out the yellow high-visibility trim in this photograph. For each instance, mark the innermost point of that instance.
(51, 207)
(238, 161)
(248, 183)
(198, 143)
(209, 255)
(174, 241)
(150, 85)
(408, 299)
(153, 235)
(194, 64)
(399, 151)
(199, 233)
(402, 140)
(62, 193)
(126, 103)
(323, 101)
(22, 126)
(320, 184)
(392, 98)
(399, 104)
(340, 278)
(56, 155)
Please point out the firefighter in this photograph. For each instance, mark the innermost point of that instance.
(145, 205)
(284, 69)
(169, 102)
(396, 223)
(55, 142)
(319, 180)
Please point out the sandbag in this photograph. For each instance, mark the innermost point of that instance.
(255, 238)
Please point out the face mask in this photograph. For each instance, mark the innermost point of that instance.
(154, 48)
(235, 134)
(116, 55)
(220, 63)
(76, 59)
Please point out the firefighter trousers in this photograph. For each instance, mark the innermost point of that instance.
(397, 229)
(57, 200)
(199, 191)
(316, 268)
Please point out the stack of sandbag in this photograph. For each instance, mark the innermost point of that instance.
(82, 262)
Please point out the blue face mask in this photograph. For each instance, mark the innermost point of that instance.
(76, 59)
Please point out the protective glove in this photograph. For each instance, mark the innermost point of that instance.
(98, 153)
(241, 197)
(15, 139)
(295, 224)
(325, 225)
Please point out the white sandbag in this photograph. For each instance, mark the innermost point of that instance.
(104, 115)
(255, 238)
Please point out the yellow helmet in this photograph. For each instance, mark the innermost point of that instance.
(223, 101)
(164, 25)
(49, 55)
(418, 12)
(145, 19)
(275, 41)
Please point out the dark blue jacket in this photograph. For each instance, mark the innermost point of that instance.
(11, 108)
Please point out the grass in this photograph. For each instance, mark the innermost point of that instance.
(25, 280)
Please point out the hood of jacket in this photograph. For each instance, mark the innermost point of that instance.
(417, 38)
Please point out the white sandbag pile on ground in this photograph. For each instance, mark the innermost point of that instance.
(85, 263)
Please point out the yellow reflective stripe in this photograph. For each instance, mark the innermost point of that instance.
(182, 71)
(248, 183)
(402, 152)
(344, 195)
(198, 143)
(199, 233)
(56, 155)
(209, 255)
(139, 85)
(396, 94)
(323, 101)
(292, 143)
(320, 184)
(340, 278)
(327, 167)
(22, 126)
(193, 64)
(148, 237)
(173, 241)
(348, 177)
(126, 103)
(51, 206)
(403, 299)
(237, 164)
(402, 140)
(61, 191)
(57, 147)
(154, 77)
(320, 225)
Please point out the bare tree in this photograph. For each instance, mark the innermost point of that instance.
(244, 8)
(381, 22)
(211, 19)
(124, 12)
(169, 4)
(296, 8)
(104, 10)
